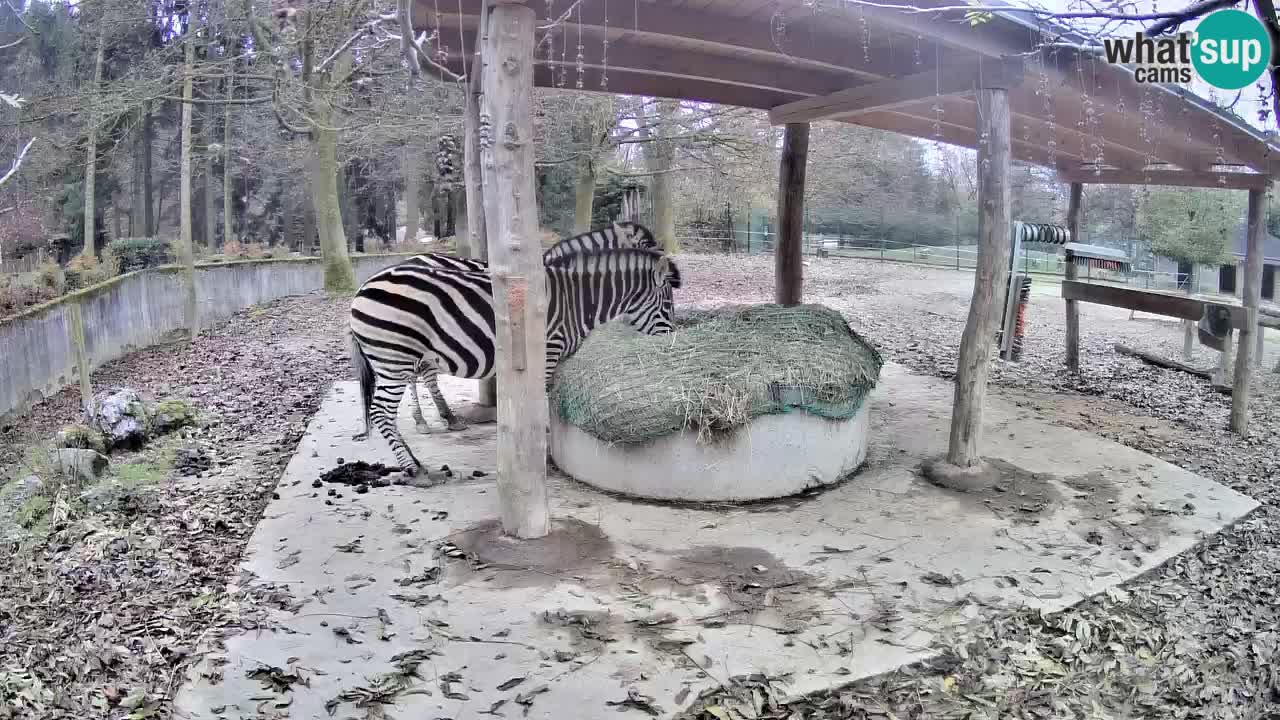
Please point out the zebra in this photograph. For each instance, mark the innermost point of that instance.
(411, 313)
(618, 235)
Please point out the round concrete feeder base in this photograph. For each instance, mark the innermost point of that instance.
(774, 456)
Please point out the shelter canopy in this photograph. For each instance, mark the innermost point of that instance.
(1073, 112)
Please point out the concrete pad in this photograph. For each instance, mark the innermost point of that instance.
(630, 596)
(773, 456)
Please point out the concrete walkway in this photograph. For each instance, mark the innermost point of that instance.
(660, 602)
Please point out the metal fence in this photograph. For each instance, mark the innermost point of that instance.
(956, 257)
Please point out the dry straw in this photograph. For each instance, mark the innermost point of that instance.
(717, 372)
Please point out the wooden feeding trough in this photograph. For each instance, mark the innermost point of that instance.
(1042, 236)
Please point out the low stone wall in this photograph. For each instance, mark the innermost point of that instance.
(44, 349)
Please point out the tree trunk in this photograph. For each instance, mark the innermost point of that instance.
(135, 188)
(148, 219)
(228, 227)
(411, 168)
(458, 211)
(117, 217)
(660, 154)
(991, 277)
(519, 285)
(472, 177)
(210, 204)
(91, 152)
(339, 276)
(186, 250)
(584, 195)
(789, 253)
(585, 174)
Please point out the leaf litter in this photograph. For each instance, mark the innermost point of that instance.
(1195, 638)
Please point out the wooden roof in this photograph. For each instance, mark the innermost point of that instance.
(1080, 115)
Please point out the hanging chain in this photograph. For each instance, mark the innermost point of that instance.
(604, 58)
(582, 61)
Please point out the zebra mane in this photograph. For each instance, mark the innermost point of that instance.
(577, 262)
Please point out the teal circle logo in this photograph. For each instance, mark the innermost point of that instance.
(1231, 49)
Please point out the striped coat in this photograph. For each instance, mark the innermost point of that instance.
(617, 235)
(414, 317)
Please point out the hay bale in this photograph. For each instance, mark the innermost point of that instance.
(715, 373)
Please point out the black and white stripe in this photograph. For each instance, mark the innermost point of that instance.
(617, 235)
(413, 313)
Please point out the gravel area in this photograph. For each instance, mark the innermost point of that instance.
(1195, 639)
(100, 616)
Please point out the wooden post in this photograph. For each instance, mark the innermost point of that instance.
(994, 240)
(1252, 297)
(515, 257)
(477, 241)
(1222, 376)
(788, 253)
(1073, 307)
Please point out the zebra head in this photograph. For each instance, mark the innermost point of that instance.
(652, 309)
(656, 316)
(633, 234)
(592, 288)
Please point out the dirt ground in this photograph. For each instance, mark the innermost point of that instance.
(99, 616)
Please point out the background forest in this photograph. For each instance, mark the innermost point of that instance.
(235, 129)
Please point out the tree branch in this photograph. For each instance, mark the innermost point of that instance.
(1267, 11)
(1191, 12)
(404, 15)
(21, 19)
(17, 163)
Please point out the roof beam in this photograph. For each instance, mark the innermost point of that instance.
(693, 29)
(626, 55)
(631, 81)
(1108, 84)
(960, 135)
(1176, 178)
(888, 94)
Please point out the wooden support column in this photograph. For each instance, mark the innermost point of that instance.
(515, 264)
(789, 250)
(1252, 298)
(963, 468)
(477, 239)
(1073, 307)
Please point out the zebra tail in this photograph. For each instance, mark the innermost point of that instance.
(364, 374)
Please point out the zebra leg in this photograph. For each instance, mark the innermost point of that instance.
(418, 419)
(382, 414)
(430, 375)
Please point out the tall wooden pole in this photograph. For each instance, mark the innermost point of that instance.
(515, 262)
(789, 250)
(477, 240)
(1073, 307)
(989, 280)
(1252, 297)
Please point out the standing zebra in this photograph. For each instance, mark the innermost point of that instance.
(618, 235)
(444, 319)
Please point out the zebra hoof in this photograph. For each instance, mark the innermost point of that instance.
(423, 478)
(423, 427)
(456, 424)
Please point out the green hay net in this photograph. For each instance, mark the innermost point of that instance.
(715, 373)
